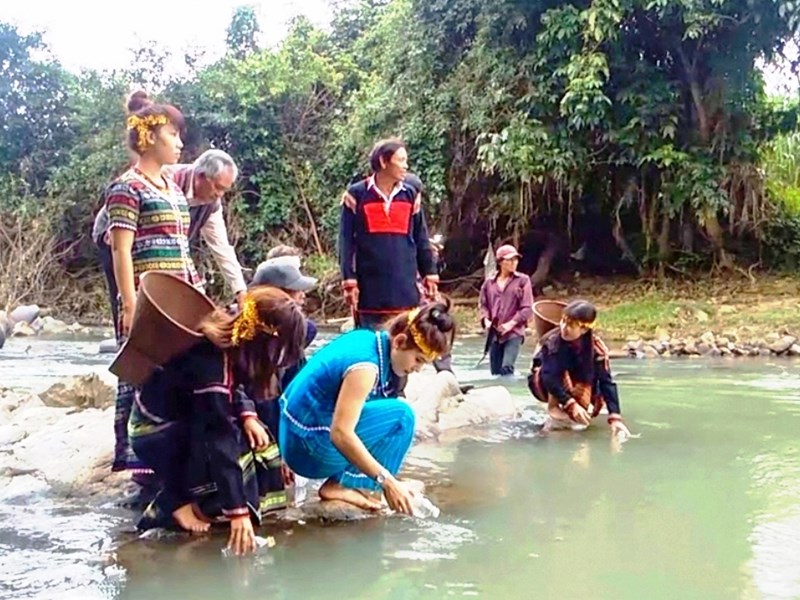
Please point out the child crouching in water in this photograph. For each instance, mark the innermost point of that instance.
(570, 372)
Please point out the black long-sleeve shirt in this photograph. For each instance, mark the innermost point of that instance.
(382, 246)
(558, 356)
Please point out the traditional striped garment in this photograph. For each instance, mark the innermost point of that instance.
(187, 425)
(160, 220)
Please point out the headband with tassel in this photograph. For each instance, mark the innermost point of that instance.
(143, 125)
(418, 338)
(248, 324)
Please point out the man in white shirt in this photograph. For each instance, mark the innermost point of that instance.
(204, 183)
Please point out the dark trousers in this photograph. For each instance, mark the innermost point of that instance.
(503, 355)
(107, 261)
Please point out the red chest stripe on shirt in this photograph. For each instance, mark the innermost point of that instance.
(397, 221)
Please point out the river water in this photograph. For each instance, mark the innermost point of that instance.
(705, 504)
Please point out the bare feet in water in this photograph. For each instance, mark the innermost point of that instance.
(333, 490)
(186, 518)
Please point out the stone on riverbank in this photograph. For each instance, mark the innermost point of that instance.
(86, 391)
(65, 437)
(729, 343)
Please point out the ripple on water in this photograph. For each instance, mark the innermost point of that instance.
(430, 539)
(48, 551)
(775, 564)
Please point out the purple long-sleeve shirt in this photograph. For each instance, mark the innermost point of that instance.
(513, 303)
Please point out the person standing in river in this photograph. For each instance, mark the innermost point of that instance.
(383, 240)
(148, 230)
(506, 305)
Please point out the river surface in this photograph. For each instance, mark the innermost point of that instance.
(704, 504)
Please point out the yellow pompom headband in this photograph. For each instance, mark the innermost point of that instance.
(418, 338)
(248, 324)
(143, 125)
(586, 324)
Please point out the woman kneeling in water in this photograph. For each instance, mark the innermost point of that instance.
(570, 372)
(193, 425)
(338, 421)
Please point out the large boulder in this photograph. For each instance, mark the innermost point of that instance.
(86, 391)
(26, 313)
(440, 406)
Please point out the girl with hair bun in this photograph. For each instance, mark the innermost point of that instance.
(148, 225)
(338, 421)
(571, 372)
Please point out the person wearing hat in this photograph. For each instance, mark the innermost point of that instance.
(283, 272)
(286, 275)
(506, 305)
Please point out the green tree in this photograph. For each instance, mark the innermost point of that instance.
(242, 33)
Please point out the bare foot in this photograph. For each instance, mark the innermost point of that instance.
(186, 518)
(333, 490)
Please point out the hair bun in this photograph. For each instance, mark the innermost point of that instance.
(137, 101)
(440, 317)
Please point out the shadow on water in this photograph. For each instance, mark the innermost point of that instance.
(706, 504)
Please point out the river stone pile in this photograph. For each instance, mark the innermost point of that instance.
(711, 345)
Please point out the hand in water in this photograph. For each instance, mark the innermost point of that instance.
(257, 436)
(619, 429)
(398, 496)
(577, 413)
(243, 538)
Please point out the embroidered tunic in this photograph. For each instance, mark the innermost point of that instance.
(160, 220)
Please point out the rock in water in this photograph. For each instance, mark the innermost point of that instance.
(25, 314)
(108, 346)
(440, 406)
(86, 391)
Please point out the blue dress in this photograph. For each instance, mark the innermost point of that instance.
(385, 426)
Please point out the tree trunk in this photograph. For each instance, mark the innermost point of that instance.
(716, 236)
(696, 91)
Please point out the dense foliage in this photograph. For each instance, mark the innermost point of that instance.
(641, 124)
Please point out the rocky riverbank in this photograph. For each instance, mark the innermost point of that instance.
(61, 441)
(710, 345)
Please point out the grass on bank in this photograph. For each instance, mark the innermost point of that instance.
(749, 308)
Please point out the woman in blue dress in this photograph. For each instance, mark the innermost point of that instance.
(340, 420)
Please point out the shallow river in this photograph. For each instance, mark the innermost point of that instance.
(705, 504)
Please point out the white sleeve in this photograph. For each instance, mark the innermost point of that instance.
(215, 235)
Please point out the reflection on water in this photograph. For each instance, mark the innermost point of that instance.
(706, 504)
